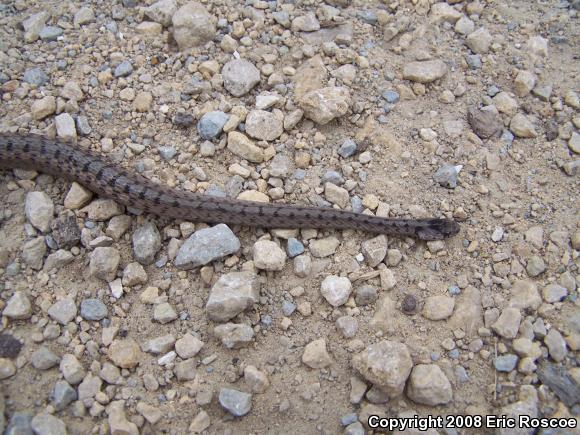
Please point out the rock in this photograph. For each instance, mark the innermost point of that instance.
(42, 108)
(556, 345)
(428, 385)
(65, 231)
(7, 368)
(65, 127)
(559, 380)
(347, 326)
(161, 11)
(294, 247)
(123, 69)
(143, 100)
(200, 423)
(242, 146)
(72, 369)
(485, 122)
(365, 295)
(134, 274)
(93, 309)
(336, 290)
(18, 307)
(35, 76)
(160, 345)
(347, 149)
(232, 294)
(164, 313)
(118, 423)
(479, 41)
(39, 210)
(574, 143)
(185, 370)
(467, 315)
(33, 253)
(235, 402)
(438, 307)
(464, 26)
(302, 265)
(505, 103)
(524, 83)
(305, 23)
(268, 255)
(521, 126)
(256, 380)
(263, 125)
(315, 354)
(375, 250)
(34, 24)
(535, 266)
(508, 323)
(84, 15)
(150, 413)
(146, 243)
(336, 195)
(525, 295)
(424, 71)
(240, 76)
(47, 424)
(125, 353)
(387, 364)
(538, 47)
(311, 75)
(527, 405)
(62, 395)
(554, 293)
(193, 26)
(234, 335)
(103, 209)
(44, 359)
(443, 12)
(10, 347)
(151, 29)
(325, 104)
(188, 346)
(104, 262)
(211, 124)
(446, 175)
(205, 246)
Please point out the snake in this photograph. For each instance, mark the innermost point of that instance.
(107, 179)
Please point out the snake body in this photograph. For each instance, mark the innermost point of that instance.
(107, 179)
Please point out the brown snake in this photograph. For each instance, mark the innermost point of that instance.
(110, 180)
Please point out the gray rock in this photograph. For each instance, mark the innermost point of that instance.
(560, 382)
(84, 15)
(123, 69)
(390, 96)
(93, 309)
(365, 295)
(485, 122)
(146, 243)
(39, 210)
(347, 149)
(424, 71)
(446, 176)
(50, 33)
(63, 311)
(211, 124)
(161, 11)
(234, 335)
(232, 294)
(282, 18)
(18, 307)
(83, 126)
(62, 395)
(167, 152)
(236, 402)
(66, 232)
(47, 424)
(240, 76)
(294, 247)
(44, 359)
(35, 76)
(104, 262)
(71, 369)
(473, 61)
(347, 326)
(505, 363)
(164, 313)
(355, 428)
(193, 25)
(205, 246)
(336, 290)
(65, 127)
(428, 385)
(556, 345)
(19, 424)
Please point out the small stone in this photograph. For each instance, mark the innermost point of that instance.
(268, 255)
(347, 149)
(39, 210)
(193, 25)
(424, 71)
(446, 175)
(508, 323)
(525, 295)
(146, 243)
(240, 145)
(104, 262)
(205, 246)
(479, 41)
(305, 23)
(117, 420)
(164, 313)
(428, 385)
(375, 250)
(535, 266)
(7, 368)
(47, 424)
(347, 326)
(554, 293)
(62, 395)
(200, 423)
(387, 364)
(72, 369)
(35, 76)
(188, 346)
(464, 26)
(438, 307)
(150, 413)
(235, 402)
(574, 143)
(409, 305)
(44, 359)
(240, 76)
(10, 347)
(505, 363)
(336, 290)
(521, 126)
(123, 69)
(505, 103)
(524, 83)
(325, 104)
(232, 294)
(65, 127)
(485, 122)
(234, 335)
(125, 353)
(365, 295)
(263, 125)
(42, 108)
(336, 195)
(93, 309)
(315, 354)
(294, 247)
(103, 209)
(211, 124)
(33, 25)
(18, 307)
(84, 15)
(538, 46)
(556, 345)
(161, 11)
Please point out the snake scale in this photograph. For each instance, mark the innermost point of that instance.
(109, 180)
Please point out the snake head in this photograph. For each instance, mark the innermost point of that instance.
(437, 229)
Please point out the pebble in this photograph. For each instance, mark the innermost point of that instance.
(161, 11)
(44, 359)
(71, 369)
(294, 247)
(242, 146)
(315, 354)
(365, 295)
(535, 266)
(205, 246)
(200, 423)
(7, 368)
(39, 210)
(446, 175)
(240, 76)
(211, 124)
(336, 194)
(42, 108)
(84, 15)
(47, 424)
(479, 41)
(554, 293)
(164, 313)
(188, 346)
(125, 353)
(104, 262)
(375, 250)
(428, 385)
(574, 143)
(505, 363)
(146, 243)
(485, 122)
(524, 82)
(508, 323)
(438, 307)
(268, 255)
(556, 345)
(336, 290)
(234, 335)
(386, 364)
(35, 76)
(264, 125)
(424, 71)
(231, 294)
(18, 307)
(193, 26)
(473, 61)
(521, 126)
(305, 23)
(235, 402)
(325, 104)
(93, 309)
(62, 395)
(347, 326)
(124, 69)
(347, 149)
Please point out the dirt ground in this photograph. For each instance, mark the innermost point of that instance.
(508, 190)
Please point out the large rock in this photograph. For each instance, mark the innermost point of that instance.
(193, 25)
(485, 122)
(386, 364)
(205, 246)
(324, 105)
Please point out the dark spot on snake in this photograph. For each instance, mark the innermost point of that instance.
(142, 193)
(99, 174)
(86, 166)
(43, 149)
(26, 147)
(127, 189)
(9, 146)
(175, 203)
(56, 154)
